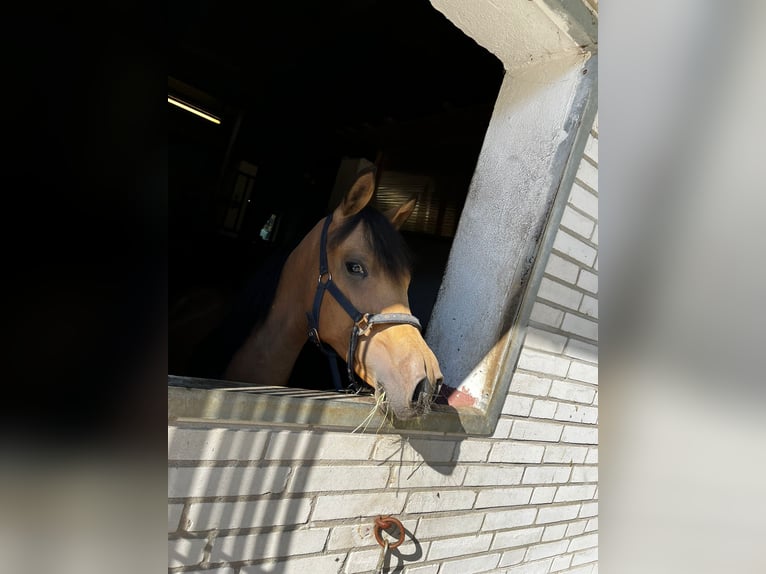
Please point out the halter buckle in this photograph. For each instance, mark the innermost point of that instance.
(322, 274)
(363, 325)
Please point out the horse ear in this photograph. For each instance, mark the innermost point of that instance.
(359, 195)
(398, 215)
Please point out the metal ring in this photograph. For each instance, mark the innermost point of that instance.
(384, 522)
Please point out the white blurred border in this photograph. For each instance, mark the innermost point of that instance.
(682, 370)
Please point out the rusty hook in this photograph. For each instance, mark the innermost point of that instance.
(384, 523)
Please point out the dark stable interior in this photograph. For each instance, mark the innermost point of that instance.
(299, 87)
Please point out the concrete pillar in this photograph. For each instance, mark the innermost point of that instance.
(521, 168)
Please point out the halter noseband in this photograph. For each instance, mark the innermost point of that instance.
(363, 322)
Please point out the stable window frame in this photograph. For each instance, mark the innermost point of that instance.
(217, 402)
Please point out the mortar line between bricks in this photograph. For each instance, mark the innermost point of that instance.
(579, 236)
(567, 334)
(553, 377)
(586, 187)
(574, 261)
(589, 159)
(571, 286)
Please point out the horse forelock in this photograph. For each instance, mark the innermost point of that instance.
(384, 240)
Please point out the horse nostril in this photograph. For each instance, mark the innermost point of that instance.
(421, 390)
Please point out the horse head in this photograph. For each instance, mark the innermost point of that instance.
(368, 262)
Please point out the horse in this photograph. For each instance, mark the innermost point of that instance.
(344, 287)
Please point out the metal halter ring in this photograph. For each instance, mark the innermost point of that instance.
(384, 522)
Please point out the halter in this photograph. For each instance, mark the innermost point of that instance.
(363, 322)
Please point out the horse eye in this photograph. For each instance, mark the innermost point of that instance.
(356, 268)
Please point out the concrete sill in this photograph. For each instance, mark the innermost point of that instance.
(214, 402)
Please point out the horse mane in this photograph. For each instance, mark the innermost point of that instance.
(385, 241)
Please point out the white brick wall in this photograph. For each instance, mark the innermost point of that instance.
(250, 500)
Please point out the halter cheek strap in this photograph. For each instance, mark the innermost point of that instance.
(363, 322)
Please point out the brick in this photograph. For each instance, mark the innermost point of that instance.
(595, 264)
(185, 551)
(333, 478)
(580, 326)
(544, 340)
(543, 495)
(414, 449)
(543, 363)
(452, 547)
(312, 445)
(360, 534)
(580, 435)
(247, 514)
(502, 428)
(592, 525)
(505, 519)
(565, 454)
(584, 474)
(511, 557)
(548, 514)
(533, 430)
(588, 281)
(581, 350)
(554, 532)
(474, 565)
(581, 542)
(584, 557)
(449, 525)
(424, 569)
(268, 545)
(575, 492)
(589, 306)
(473, 450)
(576, 528)
(577, 223)
(333, 507)
(576, 413)
(561, 268)
(588, 510)
(493, 475)
(561, 562)
(364, 561)
(583, 372)
(588, 174)
(584, 200)
(438, 501)
(570, 391)
(174, 516)
(545, 314)
(592, 457)
(425, 476)
(546, 474)
(323, 564)
(578, 250)
(587, 569)
(559, 293)
(544, 409)
(594, 239)
(591, 147)
(493, 497)
(519, 537)
(546, 550)
(541, 567)
(517, 406)
(226, 481)
(527, 384)
(516, 453)
(215, 444)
